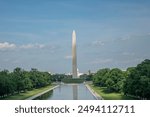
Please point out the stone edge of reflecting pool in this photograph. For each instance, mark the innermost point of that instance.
(42, 93)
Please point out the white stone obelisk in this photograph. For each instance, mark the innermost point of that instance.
(74, 56)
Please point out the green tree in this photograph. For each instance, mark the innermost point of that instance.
(6, 84)
(100, 77)
(115, 80)
(138, 81)
(20, 81)
(19, 77)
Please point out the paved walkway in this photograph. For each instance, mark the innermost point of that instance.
(37, 95)
(97, 96)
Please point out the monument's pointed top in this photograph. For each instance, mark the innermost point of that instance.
(73, 33)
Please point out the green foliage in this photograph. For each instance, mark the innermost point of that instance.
(86, 77)
(134, 82)
(103, 92)
(20, 81)
(100, 78)
(70, 80)
(28, 94)
(112, 79)
(115, 80)
(59, 77)
(138, 81)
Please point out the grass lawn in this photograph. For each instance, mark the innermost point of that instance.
(28, 94)
(110, 96)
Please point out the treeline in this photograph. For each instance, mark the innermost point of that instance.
(21, 81)
(135, 81)
(60, 77)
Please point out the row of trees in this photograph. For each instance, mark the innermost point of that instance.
(86, 77)
(112, 79)
(135, 81)
(20, 81)
(138, 81)
(60, 77)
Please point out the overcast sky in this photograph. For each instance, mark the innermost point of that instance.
(37, 34)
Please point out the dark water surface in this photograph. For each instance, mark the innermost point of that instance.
(68, 92)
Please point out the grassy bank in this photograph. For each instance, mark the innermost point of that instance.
(28, 94)
(110, 96)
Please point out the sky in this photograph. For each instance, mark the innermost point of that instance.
(38, 34)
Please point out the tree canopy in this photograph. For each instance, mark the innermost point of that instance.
(20, 81)
(135, 81)
(138, 81)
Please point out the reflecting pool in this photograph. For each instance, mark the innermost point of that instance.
(68, 92)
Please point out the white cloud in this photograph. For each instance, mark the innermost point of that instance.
(97, 43)
(68, 57)
(6, 45)
(101, 61)
(10, 46)
(128, 54)
(30, 46)
(125, 38)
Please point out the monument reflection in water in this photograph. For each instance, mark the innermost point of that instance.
(68, 92)
(75, 92)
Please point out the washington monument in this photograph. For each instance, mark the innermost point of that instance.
(74, 56)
